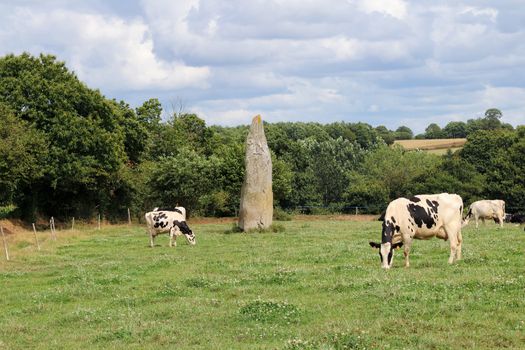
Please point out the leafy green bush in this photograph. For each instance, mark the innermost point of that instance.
(281, 215)
(6, 211)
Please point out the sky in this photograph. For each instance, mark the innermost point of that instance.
(383, 62)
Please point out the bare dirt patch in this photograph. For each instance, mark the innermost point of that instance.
(12, 226)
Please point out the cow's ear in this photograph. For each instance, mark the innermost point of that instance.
(397, 245)
(375, 245)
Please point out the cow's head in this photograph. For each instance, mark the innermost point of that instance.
(386, 247)
(190, 237)
(386, 252)
(186, 231)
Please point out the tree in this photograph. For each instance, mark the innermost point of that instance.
(340, 129)
(83, 131)
(491, 121)
(388, 173)
(388, 136)
(484, 147)
(453, 175)
(455, 130)
(366, 136)
(330, 162)
(182, 179)
(22, 151)
(136, 132)
(493, 114)
(404, 133)
(433, 131)
(150, 112)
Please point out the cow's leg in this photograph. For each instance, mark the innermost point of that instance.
(460, 242)
(174, 231)
(477, 222)
(172, 237)
(151, 240)
(453, 248)
(407, 243)
(501, 221)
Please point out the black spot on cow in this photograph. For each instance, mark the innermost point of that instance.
(398, 228)
(375, 245)
(414, 199)
(420, 215)
(397, 245)
(433, 206)
(391, 253)
(393, 219)
(178, 210)
(160, 216)
(161, 224)
(183, 227)
(387, 232)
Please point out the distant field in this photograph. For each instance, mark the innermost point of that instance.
(317, 285)
(438, 146)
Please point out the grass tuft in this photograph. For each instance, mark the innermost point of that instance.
(270, 311)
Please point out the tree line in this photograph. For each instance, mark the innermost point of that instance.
(66, 150)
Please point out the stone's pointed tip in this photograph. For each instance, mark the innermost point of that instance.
(257, 119)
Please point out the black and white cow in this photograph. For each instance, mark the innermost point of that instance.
(515, 218)
(172, 222)
(487, 209)
(421, 217)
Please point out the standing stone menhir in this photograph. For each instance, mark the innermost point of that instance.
(256, 195)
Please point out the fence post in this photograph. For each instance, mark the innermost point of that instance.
(73, 224)
(53, 228)
(98, 221)
(36, 238)
(5, 244)
(129, 217)
(355, 210)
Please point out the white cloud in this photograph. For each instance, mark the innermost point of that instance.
(105, 50)
(379, 61)
(394, 8)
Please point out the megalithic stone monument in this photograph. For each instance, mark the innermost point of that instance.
(256, 210)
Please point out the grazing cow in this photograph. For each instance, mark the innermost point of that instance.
(487, 209)
(172, 222)
(515, 218)
(421, 217)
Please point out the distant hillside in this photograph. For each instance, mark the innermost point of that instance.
(438, 146)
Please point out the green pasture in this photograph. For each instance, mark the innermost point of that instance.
(316, 285)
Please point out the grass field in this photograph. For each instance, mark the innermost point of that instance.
(317, 285)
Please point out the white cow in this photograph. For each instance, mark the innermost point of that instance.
(487, 209)
(421, 217)
(172, 222)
